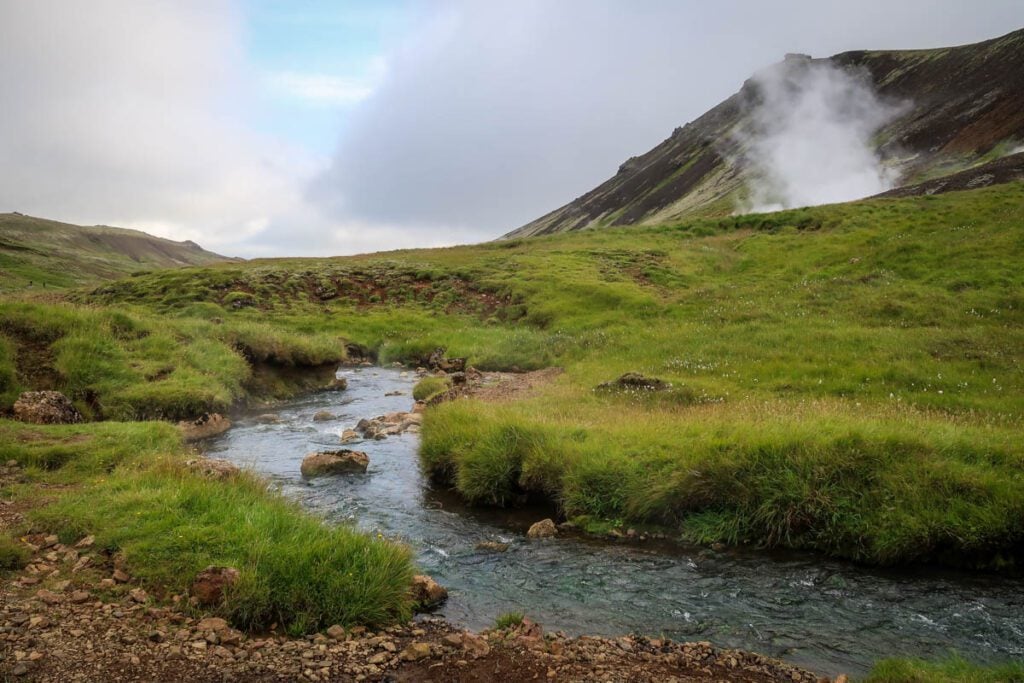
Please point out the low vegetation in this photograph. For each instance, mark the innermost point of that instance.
(846, 379)
(952, 670)
(129, 487)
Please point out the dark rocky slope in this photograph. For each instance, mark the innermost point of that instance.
(962, 106)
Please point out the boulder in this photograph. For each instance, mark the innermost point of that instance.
(268, 419)
(334, 462)
(210, 585)
(323, 416)
(46, 408)
(427, 593)
(204, 426)
(545, 528)
(350, 436)
(337, 384)
(214, 468)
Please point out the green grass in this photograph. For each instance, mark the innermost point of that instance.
(428, 387)
(952, 670)
(509, 620)
(127, 486)
(846, 378)
(13, 554)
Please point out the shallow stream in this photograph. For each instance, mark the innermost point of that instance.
(828, 616)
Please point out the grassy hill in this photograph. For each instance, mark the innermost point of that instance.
(37, 254)
(844, 378)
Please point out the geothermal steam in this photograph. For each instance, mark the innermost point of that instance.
(810, 138)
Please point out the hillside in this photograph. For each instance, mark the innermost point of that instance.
(952, 108)
(38, 253)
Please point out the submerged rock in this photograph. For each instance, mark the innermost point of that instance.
(492, 546)
(545, 528)
(204, 426)
(46, 408)
(334, 462)
(209, 586)
(323, 416)
(268, 419)
(337, 384)
(426, 592)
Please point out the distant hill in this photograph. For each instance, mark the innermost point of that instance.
(36, 253)
(960, 107)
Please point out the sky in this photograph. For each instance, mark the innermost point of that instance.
(262, 128)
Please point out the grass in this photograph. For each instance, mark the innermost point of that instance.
(128, 487)
(951, 670)
(13, 554)
(428, 387)
(843, 378)
(508, 620)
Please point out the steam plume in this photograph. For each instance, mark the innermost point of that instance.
(809, 141)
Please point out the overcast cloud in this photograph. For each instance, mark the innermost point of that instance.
(483, 117)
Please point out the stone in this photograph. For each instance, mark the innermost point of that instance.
(350, 436)
(214, 468)
(337, 384)
(138, 595)
(492, 546)
(337, 632)
(415, 652)
(205, 426)
(120, 576)
(334, 462)
(212, 624)
(545, 528)
(86, 542)
(268, 419)
(83, 562)
(323, 416)
(427, 593)
(46, 407)
(48, 597)
(212, 583)
(78, 597)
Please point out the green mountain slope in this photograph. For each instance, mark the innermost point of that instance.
(963, 106)
(36, 253)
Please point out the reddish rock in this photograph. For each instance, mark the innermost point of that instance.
(209, 586)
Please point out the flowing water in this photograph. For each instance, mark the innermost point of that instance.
(829, 616)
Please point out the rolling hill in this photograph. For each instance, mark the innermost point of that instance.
(38, 253)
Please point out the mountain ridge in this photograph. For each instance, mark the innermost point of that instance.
(964, 102)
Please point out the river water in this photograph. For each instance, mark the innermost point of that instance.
(828, 616)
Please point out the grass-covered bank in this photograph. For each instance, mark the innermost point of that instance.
(127, 484)
(952, 670)
(843, 378)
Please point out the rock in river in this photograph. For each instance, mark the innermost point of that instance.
(334, 462)
(545, 528)
(204, 426)
(426, 592)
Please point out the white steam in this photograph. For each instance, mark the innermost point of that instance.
(810, 137)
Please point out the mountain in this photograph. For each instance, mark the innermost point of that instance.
(40, 253)
(948, 109)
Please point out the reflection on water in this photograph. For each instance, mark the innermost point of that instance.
(828, 616)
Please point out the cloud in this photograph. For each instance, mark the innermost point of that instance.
(147, 113)
(127, 113)
(810, 136)
(499, 112)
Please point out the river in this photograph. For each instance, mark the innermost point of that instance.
(826, 615)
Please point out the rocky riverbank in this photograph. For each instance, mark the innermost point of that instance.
(74, 613)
